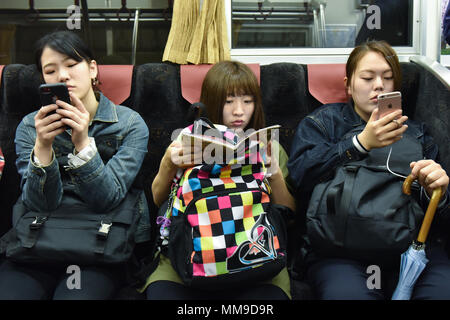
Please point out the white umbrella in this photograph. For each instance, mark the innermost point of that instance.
(413, 261)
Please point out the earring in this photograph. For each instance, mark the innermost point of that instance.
(94, 82)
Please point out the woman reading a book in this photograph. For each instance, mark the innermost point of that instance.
(232, 98)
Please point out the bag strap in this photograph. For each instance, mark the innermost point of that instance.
(102, 233)
(105, 225)
(346, 197)
(35, 227)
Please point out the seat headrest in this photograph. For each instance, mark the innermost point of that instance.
(326, 82)
(115, 81)
(192, 76)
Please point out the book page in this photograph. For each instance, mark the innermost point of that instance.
(220, 147)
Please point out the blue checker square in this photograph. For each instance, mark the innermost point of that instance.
(194, 183)
(228, 227)
(216, 169)
(197, 244)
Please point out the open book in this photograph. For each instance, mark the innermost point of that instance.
(228, 138)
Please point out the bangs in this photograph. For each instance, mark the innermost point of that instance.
(69, 51)
(65, 42)
(239, 85)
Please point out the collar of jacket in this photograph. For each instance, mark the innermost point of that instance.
(350, 115)
(106, 111)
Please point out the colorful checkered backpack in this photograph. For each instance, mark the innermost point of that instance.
(220, 227)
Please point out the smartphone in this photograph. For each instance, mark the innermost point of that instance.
(49, 93)
(389, 102)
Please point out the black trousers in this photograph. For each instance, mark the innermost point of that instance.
(168, 290)
(27, 282)
(345, 279)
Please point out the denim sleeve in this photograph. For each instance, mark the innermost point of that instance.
(41, 186)
(316, 152)
(104, 186)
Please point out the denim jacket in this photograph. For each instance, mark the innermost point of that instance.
(121, 137)
(320, 145)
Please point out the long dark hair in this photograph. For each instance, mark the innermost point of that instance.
(64, 42)
(67, 43)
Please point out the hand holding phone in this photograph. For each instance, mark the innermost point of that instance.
(49, 93)
(389, 102)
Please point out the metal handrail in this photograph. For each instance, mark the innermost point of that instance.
(135, 34)
(434, 67)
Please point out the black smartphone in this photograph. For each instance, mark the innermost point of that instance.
(49, 93)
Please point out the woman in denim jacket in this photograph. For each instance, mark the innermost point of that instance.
(321, 145)
(101, 147)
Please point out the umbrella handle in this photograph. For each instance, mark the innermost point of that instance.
(432, 206)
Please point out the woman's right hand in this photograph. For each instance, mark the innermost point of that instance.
(179, 155)
(47, 128)
(176, 156)
(383, 132)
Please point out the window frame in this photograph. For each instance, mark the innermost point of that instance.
(424, 36)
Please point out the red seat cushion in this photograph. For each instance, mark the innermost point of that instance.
(115, 81)
(326, 82)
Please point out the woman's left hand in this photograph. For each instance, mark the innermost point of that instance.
(430, 175)
(272, 162)
(76, 117)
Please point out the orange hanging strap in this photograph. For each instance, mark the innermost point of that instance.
(429, 214)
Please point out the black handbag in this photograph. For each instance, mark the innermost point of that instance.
(362, 213)
(74, 233)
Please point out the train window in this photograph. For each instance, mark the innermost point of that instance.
(117, 31)
(319, 24)
(262, 31)
(321, 31)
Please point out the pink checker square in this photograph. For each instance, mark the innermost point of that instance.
(231, 250)
(203, 174)
(193, 219)
(224, 202)
(198, 270)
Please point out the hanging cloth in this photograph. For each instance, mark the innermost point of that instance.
(197, 36)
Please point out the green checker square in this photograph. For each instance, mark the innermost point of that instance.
(221, 267)
(246, 170)
(257, 209)
(208, 189)
(240, 237)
